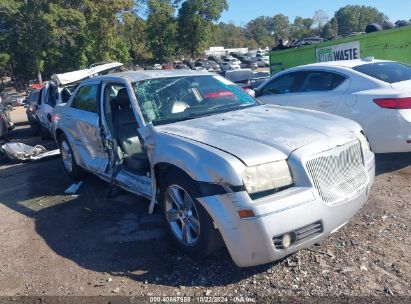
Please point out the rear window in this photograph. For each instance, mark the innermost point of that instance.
(390, 72)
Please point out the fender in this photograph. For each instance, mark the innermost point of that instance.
(202, 163)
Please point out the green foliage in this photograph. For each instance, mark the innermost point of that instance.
(260, 30)
(4, 60)
(354, 18)
(195, 19)
(232, 36)
(281, 27)
(161, 29)
(53, 36)
(133, 31)
(302, 27)
(330, 29)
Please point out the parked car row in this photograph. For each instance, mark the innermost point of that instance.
(12, 99)
(218, 64)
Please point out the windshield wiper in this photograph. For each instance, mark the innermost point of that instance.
(231, 106)
(209, 112)
(164, 121)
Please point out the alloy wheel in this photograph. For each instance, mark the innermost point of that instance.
(66, 156)
(182, 215)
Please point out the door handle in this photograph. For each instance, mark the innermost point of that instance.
(324, 104)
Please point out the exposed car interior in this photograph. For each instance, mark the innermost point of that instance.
(171, 99)
(123, 127)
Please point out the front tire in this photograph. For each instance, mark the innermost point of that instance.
(189, 225)
(69, 161)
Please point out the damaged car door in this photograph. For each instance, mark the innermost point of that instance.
(83, 123)
(120, 128)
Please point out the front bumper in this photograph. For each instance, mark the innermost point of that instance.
(251, 241)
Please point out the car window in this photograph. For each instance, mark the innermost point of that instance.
(317, 81)
(67, 92)
(172, 99)
(390, 72)
(281, 85)
(86, 98)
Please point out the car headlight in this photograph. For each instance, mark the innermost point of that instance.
(267, 177)
(364, 141)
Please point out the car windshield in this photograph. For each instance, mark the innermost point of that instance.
(172, 99)
(390, 72)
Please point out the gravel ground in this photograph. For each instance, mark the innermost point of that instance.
(89, 245)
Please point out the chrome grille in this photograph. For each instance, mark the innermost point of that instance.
(338, 173)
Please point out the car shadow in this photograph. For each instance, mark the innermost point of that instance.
(110, 235)
(116, 235)
(390, 162)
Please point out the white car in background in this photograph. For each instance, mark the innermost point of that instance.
(263, 61)
(374, 93)
(230, 65)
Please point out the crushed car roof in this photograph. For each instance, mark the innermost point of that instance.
(71, 77)
(152, 74)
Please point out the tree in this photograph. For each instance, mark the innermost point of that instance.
(4, 60)
(354, 18)
(195, 19)
(54, 36)
(133, 31)
(330, 29)
(217, 34)
(302, 27)
(259, 30)
(29, 30)
(228, 35)
(281, 27)
(102, 32)
(161, 29)
(320, 19)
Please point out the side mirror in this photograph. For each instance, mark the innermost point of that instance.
(251, 92)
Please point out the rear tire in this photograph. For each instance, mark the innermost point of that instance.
(69, 161)
(190, 226)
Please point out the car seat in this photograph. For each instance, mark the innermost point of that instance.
(125, 125)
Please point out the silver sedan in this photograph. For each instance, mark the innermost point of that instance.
(264, 181)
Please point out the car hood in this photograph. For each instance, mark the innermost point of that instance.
(263, 134)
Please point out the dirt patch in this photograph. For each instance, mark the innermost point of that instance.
(87, 244)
